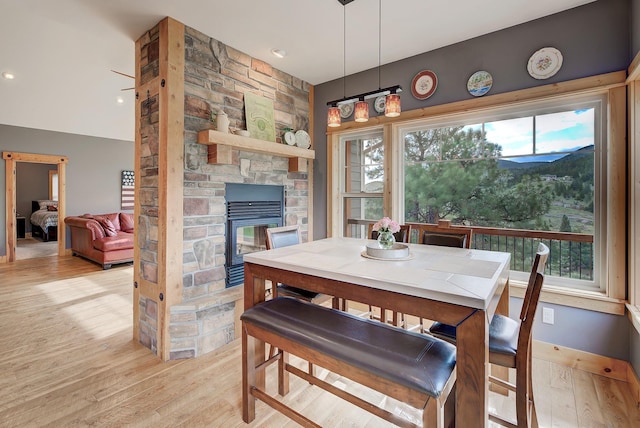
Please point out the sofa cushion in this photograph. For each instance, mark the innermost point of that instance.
(115, 219)
(121, 241)
(107, 225)
(126, 222)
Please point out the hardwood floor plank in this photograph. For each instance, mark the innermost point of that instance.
(611, 396)
(77, 366)
(586, 397)
(563, 406)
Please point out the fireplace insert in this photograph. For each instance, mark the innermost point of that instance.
(251, 209)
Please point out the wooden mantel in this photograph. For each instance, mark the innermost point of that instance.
(221, 144)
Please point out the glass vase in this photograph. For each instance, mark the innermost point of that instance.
(386, 240)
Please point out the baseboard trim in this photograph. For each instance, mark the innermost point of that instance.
(634, 382)
(574, 358)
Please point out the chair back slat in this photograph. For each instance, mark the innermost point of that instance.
(442, 234)
(284, 236)
(530, 300)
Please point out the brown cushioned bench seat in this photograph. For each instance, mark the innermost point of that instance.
(420, 363)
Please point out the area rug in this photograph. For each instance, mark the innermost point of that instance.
(30, 248)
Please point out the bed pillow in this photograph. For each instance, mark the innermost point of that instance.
(43, 204)
(107, 225)
(52, 208)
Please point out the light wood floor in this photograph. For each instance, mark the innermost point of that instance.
(67, 359)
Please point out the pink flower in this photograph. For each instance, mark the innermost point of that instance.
(386, 225)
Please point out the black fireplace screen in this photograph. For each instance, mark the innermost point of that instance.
(251, 209)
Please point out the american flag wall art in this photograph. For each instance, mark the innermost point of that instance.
(128, 190)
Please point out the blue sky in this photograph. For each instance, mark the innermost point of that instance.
(555, 132)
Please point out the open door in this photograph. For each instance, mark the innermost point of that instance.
(10, 159)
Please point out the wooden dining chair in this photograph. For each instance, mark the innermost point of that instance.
(442, 234)
(285, 236)
(510, 346)
(401, 236)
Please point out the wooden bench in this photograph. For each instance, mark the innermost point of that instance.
(415, 369)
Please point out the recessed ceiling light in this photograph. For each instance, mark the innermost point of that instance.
(120, 100)
(7, 75)
(278, 53)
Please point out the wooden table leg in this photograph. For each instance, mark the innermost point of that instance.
(253, 351)
(472, 371)
(248, 377)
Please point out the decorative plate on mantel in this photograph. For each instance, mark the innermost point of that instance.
(303, 140)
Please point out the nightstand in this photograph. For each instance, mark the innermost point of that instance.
(21, 227)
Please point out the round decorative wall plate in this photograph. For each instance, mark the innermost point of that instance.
(544, 63)
(380, 103)
(302, 139)
(479, 83)
(290, 138)
(424, 84)
(346, 110)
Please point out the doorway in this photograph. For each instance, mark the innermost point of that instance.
(11, 159)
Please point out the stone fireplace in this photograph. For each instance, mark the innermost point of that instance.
(184, 308)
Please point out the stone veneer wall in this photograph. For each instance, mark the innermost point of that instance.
(217, 76)
(147, 182)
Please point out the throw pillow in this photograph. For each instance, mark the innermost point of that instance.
(52, 208)
(107, 225)
(126, 222)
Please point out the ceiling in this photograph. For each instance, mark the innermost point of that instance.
(62, 51)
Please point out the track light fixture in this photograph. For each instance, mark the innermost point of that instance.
(392, 99)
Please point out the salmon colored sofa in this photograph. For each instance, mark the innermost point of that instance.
(106, 239)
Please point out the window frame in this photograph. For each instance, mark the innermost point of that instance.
(530, 109)
(613, 299)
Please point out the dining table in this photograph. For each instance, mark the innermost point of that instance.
(457, 286)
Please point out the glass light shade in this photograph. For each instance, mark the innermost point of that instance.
(362, 111)
(333, 117)
(392, 105)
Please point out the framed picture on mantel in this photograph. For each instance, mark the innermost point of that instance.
(260, 114)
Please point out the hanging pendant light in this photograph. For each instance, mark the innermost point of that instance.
(333, 114)
(361, 114)
(333, 117)
(362, 111)
(392, 100)
(392, 106)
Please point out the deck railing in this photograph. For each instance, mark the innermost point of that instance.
(570, 254)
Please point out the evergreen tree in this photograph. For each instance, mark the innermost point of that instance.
(453, 173)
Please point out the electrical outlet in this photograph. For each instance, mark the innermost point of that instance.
(548, 315)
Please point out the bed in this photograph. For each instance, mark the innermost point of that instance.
(44, 220)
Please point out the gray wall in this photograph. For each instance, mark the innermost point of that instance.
(594, 39)
(93, 171)
(635, 27)
(32, 183)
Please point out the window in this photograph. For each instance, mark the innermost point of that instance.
(362, 181)
(518, 177)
